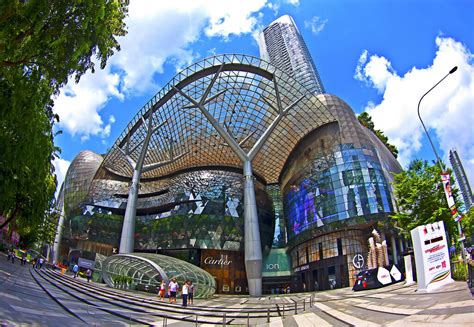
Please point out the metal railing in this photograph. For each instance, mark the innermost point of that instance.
(151, 310)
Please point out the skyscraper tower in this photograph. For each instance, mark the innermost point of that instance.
(461, 178)
(282, 45)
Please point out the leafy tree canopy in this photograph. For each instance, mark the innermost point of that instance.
(366, 120)
(42, 44)
(59, 38)
(421, 199)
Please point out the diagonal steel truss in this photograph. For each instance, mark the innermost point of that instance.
(227, 110)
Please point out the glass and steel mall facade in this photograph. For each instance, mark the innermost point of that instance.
(320, 180)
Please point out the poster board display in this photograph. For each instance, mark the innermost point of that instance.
(431, 256)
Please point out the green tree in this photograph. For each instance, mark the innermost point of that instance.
(27, 182)
(42, 44)
(59, 38)
(421, 199)
(468, 223)
(366, 120)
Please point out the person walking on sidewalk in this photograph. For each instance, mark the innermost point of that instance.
(173, 289)
(75, 270)
(190, 292)
(184, 293)
(162, 290)
(89, 275)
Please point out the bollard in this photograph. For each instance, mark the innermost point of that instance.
(196, 320)
(224, 320)
(304, 304)
(296, 308)
(165, 322)
(268, 315)
(283, 311)
(248, 319)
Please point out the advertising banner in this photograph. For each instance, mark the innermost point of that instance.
(431, 256)
(446, 179)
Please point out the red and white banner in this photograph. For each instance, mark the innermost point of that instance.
(446, 179)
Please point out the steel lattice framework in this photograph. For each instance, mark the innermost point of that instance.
(245, 98)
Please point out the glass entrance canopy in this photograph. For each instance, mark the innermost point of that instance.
(151, 269)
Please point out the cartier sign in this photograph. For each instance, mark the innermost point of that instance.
(217, 262)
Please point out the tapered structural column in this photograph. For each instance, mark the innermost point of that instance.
(253, 247)
(59, 233)
(127, 238)
(400, 243)
(394, 249)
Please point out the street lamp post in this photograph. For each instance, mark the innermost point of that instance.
(438, 160)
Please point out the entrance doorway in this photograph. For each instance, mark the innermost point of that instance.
(315, 280)
(332, 277)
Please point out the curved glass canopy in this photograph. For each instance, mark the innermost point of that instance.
(243, 94)
(151, 269)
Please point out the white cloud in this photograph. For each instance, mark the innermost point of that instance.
(158, 32)
(78, 105)
(316, 24)
(446, 110)
(274, 6)
(60, 169)
(377, 71)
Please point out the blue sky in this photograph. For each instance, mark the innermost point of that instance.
(379, 56)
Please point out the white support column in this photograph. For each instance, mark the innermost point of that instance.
(393, 245)
(57, 238)
(253, 248)
(127, 238)
(400, 243)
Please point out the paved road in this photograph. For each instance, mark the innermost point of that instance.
(24, 302)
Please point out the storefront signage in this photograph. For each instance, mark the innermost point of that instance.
(301, 268)
(431, 256)
(276, 263)
(358, 261)
(217, 262)
(84, 263)
(272, 266)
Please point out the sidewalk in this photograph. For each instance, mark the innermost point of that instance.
(22, 301)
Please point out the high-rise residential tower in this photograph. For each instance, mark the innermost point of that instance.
(461, 178)
(282, 45)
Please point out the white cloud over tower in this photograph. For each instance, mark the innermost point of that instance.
(447, 111)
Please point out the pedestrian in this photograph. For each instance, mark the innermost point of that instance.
(162, 290)
(23, 259)
(184, 293)
(173, 289)
(75, 270)
(191, 292)
(41, 260)
(89, 275)
(13, 256)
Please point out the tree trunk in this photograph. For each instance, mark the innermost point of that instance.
(12, 217)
